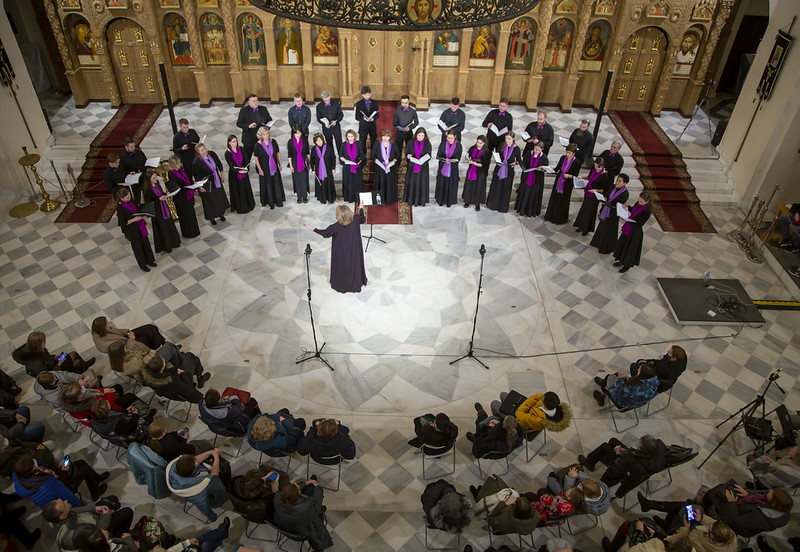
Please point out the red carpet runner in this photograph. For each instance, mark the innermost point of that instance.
(132, 121)
(663, 173)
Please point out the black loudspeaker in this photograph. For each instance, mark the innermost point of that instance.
(723, 124)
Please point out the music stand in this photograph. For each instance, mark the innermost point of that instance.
(317, 348)
(366, 200)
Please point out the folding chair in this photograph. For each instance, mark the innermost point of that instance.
(238, 450)
(530, 436)
(434, 453)
(276, 454)
(613, 406)
(572, 532)
(187, 506)
(106, 445)
(329, 463)
(494, 456)
(429, 547)
(178, 403)
(669, 400)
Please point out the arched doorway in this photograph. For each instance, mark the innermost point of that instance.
(132, 59)
(639, 68)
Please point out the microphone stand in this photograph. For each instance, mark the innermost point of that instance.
(317, 348)
(371, 237)
(470, 353)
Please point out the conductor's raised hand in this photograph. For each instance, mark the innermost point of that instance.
(308, 226)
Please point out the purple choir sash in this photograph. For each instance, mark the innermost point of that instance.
(564, 168)
(159, 192)
(209, 161)
(322, 171)
(386, 150)
(131, 206)
(503, 172)
(627, 227)
(472, 172)
(418, 146)
(352, 153)
(269, 149)
(534, 163)
(181, 174)
(606, 209)
(299, 164)
(589, 191)
(238, 156)
(449, 149)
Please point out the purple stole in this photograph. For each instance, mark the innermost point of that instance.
(159, 192)
(503, 172)
(322, 170)
(181, 174)
(534, 163)
(237, 158)
(209, 161)
(449, 149)
(386, 150)
(472, 172)
(131, 206)
(589, 191)
(627, 227)
(299, 164)
(269, 149)
(417, 152)
(564, 168)
(352, 153)
(606, 209)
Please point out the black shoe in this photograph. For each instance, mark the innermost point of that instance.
(16, 390)
(466, 205)
(145, 269)
(618, 263)
(606, 543)
(226, 527)
(105, 475)
(644, 504)
(795, 542)
(477, 207)
(153, 264)
(89, 363)
(583, 461)
(223, 220)
(600, 398)
(31, 542)
(624, 269)
(474, 490)
(101, 490)
(786, 245)
(470, 437)
(201, 381)
(152, 413)
(478, 407)
(599, 381)
(213, 222)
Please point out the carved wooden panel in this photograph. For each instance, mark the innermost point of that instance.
(641, 64)
(131, 59)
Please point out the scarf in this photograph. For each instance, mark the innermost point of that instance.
(237, 158)
(503, 172)
(386, 149)
(759, 499)
(534, 163)
(628, 226)
(209, 161)
(472, 172)
(322, 171)
(418, 146)
(352, 153)
(589, 191)
(181, 175)
(268, 148)
(158, 193)
(604, 214)
(561, 180)
(131, 206)
(299, 165)
(449, 149)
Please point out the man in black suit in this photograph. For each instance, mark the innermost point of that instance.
(541, 132)
(332, 111)
(300, 115)
(454, 119)
(583, 138)
(497, 120)
(366, 115)
(613, 160)
(251, 117)
(405, 121)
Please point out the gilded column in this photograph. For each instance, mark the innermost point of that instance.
(499, 64)
(568, 92)
(232, 42)
(463, 65)
(199, 53)
(308, 63)
(543, 27)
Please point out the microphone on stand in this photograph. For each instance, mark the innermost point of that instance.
(482, 250)
(308, 250)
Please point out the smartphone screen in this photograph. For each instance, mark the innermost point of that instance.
(62, 357)
(272, 477)
(65, 463)
(690, 513)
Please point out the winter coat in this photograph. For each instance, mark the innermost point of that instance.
(632, 396)
(432, 498)
(532, 418)
(227, 418)
(597, 506)
(204, 490)
(303, 518)
(149, 469)
(44, 490)
(53, 396)
(171, 385)
(285, 439)
(318, 447)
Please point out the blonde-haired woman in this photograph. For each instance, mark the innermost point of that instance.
(275, 434)
(268, 163)
(347, 258)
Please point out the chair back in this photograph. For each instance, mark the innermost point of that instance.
(428, 450)
(327, 460)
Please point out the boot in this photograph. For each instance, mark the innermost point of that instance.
(645, 504)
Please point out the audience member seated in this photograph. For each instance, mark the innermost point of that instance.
(11, 524)
(596, 496)
(8, 391)
(790, 229)
(78, 401)
(207, 542)
(74, 524)
(634, 532)
(149, 469)
(36, 358)
(15, 424)
(190, 478)
(42, 485)
(300, 511)
(327, 437)
(508, 512)
(709, 536)
(275, 434)
(120, 428)
(252, 493)
(445, 508)
(174, 383)
(749, 513)
(49, 385)
(553, 508)
(434, 431)
(227, 415)
(769, 473)
(667, 368)
(494, 435)
(628, 466)
(100, 541)
(144, 338)
(170, 445)
(11, 450)
(128, 363)
(628, 392)
(675, 510)
(539, 412)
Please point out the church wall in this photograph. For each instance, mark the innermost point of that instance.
(769, 153)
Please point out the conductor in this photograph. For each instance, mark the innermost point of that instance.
(347, 256)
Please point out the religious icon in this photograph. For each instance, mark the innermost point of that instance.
(151, 86)
(642, 92)
(656, 44)
(559, 44)
(567, 6)
(326, 46)
(687, 52)
(212, 32)
(702, 11)
(251, 35)
(117, 36)
(70, 4)
(621, 92)
(137, 33)
(208, 3)
(116, 4)
(604, 7)
(123, 58)
(288, 46)
(170, 3)
(628, 66)
(520, 44)
(143, 57)
(84, 42)
(634, 45)
(178, 39)
(446, 48)
(648, 69)
(659, 9)
(594, 48)
(129, 84)
(484, 46)
(424, 11)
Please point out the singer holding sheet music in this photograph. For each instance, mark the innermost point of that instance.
(323, 167)
(386, 156)
(207, 165)
(297, 158)
(568, 167)
(179, 179)
(605, 238)
(453, 118)
(352, 157)
(448, 154)
(347, 255)
(367, 114)
(499, 196)
(268, 164)
(183, 144)
(404, 121)
(329, 115)
(628, 251)
(597, 181)
(252, 117)
(498, 122)
(134, 228)
(165, 234)
(531, 184)
(239, 188)
(479, 158)
(418, 180)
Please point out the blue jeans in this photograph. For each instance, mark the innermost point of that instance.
(789, 230)
(33, 433)
(211, 540)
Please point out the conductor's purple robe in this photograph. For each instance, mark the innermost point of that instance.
(347, 258)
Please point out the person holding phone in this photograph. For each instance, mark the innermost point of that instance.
(35, 357)
(43, 484)
(72, 521)
(252, 493)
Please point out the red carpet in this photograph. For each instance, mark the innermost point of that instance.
(663, 173)
(397, 213)
(132, 121)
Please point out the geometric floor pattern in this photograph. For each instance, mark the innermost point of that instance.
(554, 313)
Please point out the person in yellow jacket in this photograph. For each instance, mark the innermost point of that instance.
(540, 411)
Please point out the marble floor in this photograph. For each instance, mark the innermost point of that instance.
(554, 313)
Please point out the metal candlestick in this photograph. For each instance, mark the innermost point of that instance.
(29, 160)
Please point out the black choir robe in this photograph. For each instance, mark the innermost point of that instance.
(352, 181)
(270, 185)
(324, 188)
(558, 205)
(404, 118)
(605, 237)
(385, 183)
(545, 135)
(347, 256)
(531, 185)
(499, 196)
(417, 190)
(299, 178)
(628, 250)
(132, 161)
(142, 251)
(300, 116)
(239, 188)
(165, 234)
(247, 115)
(583, 141)
(447, 186)
(613, 164)
(474, 192)
(457, 118)
(114, 178)
(332, 112)
(184, 205)
(587, 215)
(367, 128)
(215, 201)
(190, 140)
(501, 120)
